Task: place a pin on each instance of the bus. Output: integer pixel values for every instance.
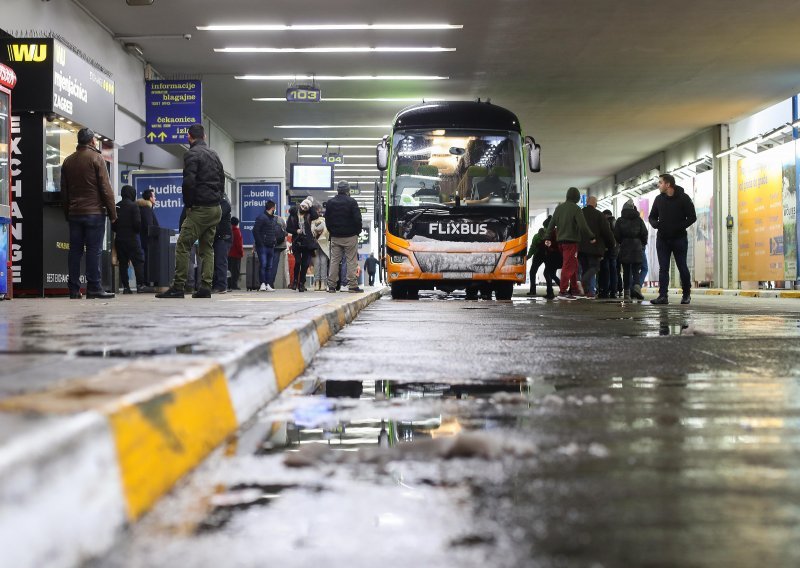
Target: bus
(452, 213)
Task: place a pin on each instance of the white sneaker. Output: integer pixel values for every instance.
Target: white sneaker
(263, 288)
(269, 288)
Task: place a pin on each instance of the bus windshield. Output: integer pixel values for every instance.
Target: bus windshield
(443, 168)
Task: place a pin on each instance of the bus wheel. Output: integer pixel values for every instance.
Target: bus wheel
(412, 293)
(399, 291)
(504, 290)
(472, 292)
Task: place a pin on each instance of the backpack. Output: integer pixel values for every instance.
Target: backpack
(280, 234)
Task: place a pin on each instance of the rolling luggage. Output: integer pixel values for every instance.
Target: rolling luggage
(253, 280)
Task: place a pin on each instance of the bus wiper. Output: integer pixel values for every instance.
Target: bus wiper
(417, 213)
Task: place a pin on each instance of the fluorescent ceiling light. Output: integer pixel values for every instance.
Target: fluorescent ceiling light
(322, 27)
(333, 49)
(337, 146)
(347, 156)
(329, 139)
(357, 177)
(352, 100)
(726, 152)
(333, 126)
(340, 77)
(347, 171)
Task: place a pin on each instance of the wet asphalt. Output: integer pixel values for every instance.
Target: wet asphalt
(442, 432)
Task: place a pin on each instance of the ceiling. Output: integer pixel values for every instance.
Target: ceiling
(600, 85)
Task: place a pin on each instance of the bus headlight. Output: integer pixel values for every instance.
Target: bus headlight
(516, 259)
(397, 258)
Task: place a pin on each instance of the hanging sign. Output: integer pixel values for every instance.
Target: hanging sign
(332, 158)
(303, 95)
(172, 107)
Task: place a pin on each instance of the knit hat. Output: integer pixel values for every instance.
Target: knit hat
(629, 204)
(343, 186)
(306, 204)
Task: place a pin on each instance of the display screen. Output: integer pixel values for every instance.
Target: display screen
(62, 139)
(307, 176)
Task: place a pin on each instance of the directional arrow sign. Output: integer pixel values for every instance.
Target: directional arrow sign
(162, 136)
(172, 107)
(151, 137)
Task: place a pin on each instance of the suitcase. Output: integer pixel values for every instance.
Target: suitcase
(253, 279)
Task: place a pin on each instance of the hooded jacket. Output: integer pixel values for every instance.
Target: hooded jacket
(569, 220)
(631, 232)
(599, 226)
(671, 216)
(149, 219)
(85, 188)
(343, 217)
(129, 219)
(203, 176)
(224, 226)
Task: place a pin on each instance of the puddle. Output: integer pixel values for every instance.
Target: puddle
(237, 498)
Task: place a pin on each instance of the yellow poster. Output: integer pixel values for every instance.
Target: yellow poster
(761, 217)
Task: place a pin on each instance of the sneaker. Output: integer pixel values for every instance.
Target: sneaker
(331, 290)
(99, 295)
(202, 293)
(301, 288)
(263, 288)
(569, 297)
(356, 290)
(636, 293)
(220, 290)
(686, 299)
(549, 296)
(269, 288)
(126, 291)
(171, 293)
(660, 301)
(145, 290)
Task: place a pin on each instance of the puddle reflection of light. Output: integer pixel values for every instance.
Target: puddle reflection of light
(390, 520)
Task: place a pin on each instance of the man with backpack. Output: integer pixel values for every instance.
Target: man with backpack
(265, 237)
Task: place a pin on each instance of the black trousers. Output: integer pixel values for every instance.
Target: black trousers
(129, 250)
(235, 268)
(302, 260)
(371, 278)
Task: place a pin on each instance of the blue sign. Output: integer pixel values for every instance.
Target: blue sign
(172, 107)
(253, 198)
(168, 186)
(583, 200)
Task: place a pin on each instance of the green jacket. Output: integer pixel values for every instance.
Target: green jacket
(568, 221)
(536, 242)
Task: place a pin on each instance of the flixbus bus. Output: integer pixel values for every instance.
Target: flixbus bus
(454, 208)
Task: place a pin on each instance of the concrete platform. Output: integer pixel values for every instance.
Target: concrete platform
(104, 405)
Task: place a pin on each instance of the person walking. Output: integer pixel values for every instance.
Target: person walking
(343, 219)
(126, 242)
(609, 269)
(280, 248)
(264, 238)
(631, 234)
(552, 263)
(147, 212)
(591, 251)
(235, 254)
(303, 242)
(672, 213)
(537, 252)
(569, 226)
(203, 186)
(371, 267)
(87, 199)
(222, 245)
(322, 257)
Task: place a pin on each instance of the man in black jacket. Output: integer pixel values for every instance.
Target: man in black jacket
(222, 245)
(343, 219)
(265, 236)
(371, 267)
(590, 252)
(672, 213)
(126, 241)
(203, 187)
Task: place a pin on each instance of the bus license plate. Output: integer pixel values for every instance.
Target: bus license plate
(457, 275)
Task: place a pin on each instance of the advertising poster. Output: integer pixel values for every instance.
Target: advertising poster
(645, 205)
(703, 269)
(761, 231)
(789, 197)
(253, 199)
(168, 187)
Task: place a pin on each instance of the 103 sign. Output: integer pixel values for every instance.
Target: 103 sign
(303, 95)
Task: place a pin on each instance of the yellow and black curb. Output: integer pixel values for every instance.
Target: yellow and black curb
(102, 450)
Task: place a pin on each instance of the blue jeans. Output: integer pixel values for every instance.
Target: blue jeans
(679, 248)
(273, 270)
(265, 256)
(85, 231)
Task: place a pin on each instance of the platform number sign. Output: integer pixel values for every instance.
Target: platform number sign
(303, 95)
(332, 158)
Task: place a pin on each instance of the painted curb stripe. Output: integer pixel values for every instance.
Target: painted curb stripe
(287, 359)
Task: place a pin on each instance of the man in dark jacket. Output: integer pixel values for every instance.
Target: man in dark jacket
(371, 267)
(590, 253)
(672, 213)
(568, 227)
(343, 219)
(147, 211)
(127, 228)
(609, 269)
(631, 233)
(87, 198)
(264, 238)
(222, 244)
(203, 186)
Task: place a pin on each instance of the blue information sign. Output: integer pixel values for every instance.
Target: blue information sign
(168, 185)
(172, 107)
(253, 198)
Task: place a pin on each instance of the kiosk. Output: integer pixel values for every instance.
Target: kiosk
(57, 94)
(7, 81)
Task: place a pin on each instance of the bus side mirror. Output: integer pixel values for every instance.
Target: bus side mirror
(534, 154)
(382, 155)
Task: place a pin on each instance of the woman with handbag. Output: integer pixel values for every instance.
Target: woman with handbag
(303, 242)
(322, 257)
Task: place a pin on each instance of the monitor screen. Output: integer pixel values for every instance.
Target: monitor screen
(311, 176)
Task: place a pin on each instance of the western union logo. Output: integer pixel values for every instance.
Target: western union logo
(27, 52)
